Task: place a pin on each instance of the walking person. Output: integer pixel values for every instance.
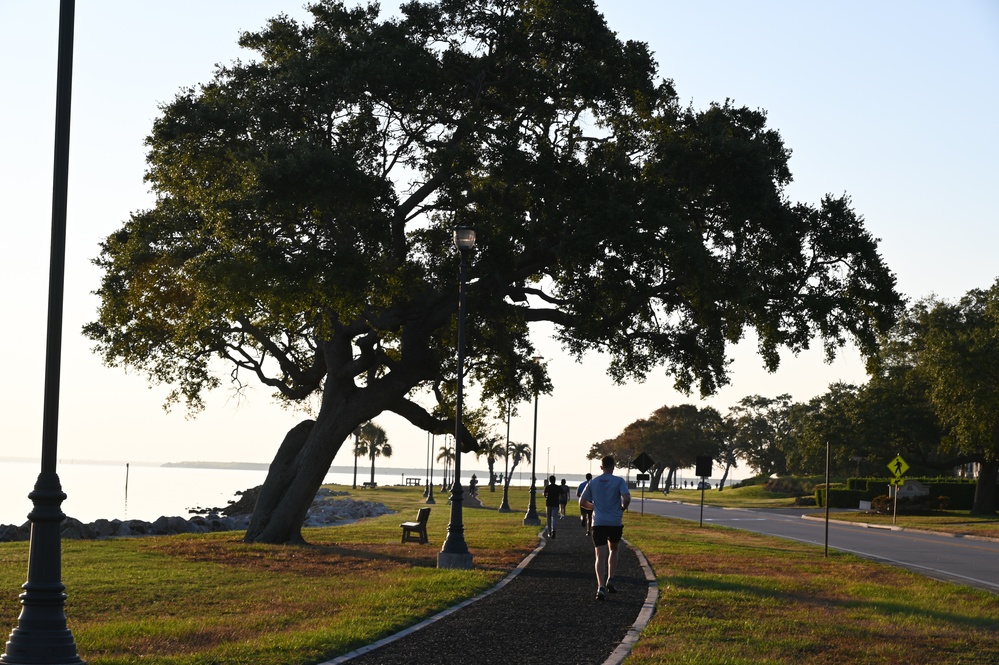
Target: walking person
(585, 514)
(563, 498)
(608, 497)
(552, 494)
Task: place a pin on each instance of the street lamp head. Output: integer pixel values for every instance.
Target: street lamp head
(464, 238)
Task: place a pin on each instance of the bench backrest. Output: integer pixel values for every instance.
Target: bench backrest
(423, 515)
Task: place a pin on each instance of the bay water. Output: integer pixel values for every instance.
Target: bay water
(145, 491)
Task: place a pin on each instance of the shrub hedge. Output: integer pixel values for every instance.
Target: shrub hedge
(958, 494)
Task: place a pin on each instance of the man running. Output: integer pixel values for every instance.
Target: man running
(608, 497)
(585, 516)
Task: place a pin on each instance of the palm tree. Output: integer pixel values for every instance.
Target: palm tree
(445, 454)
(373, 441)
(493, 450)
(518, 452)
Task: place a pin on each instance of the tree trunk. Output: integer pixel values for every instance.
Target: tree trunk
(272, 508)
(985, 491)
(304, 458)
(655, 478)
(721, 485)
(509, 476)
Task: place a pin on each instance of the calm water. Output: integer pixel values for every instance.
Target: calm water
(97, 491)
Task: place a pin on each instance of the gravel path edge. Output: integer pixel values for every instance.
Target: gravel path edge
(616, 657)
(440, 615)
(644, 616)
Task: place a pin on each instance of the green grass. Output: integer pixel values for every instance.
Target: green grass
(946, 521)
(755, 496)
(752, 496)
(734, 597)
(727, 596)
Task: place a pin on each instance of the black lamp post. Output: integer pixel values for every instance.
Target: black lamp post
(531, 518)
(454, 553)
(430, 470)
(42, 635)
(505, 505)
(427, 469)
(357, 446)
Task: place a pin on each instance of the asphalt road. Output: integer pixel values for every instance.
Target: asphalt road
(965, 560)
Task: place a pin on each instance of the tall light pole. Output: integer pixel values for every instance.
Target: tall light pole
(42, 635)
(426, 486)
(357, 445)
(505, 505)
(531, 518)
(454, 553)
(430, 484)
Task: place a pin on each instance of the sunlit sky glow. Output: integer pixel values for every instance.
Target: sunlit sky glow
(891, 102)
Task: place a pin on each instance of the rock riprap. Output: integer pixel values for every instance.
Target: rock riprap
(328, 508)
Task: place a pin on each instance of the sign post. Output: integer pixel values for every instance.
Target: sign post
(702, 468)
(898, 467)
(643, 463)
(643, 478)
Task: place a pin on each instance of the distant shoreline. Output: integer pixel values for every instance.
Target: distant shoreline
(362, 470)
(241, 466)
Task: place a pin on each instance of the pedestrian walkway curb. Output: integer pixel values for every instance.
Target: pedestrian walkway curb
(440, 615)
(644, 616)
(619, 653)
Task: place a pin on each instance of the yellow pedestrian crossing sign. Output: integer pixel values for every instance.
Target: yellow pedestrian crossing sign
(898, 467)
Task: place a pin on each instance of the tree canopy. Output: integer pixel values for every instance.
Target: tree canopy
(951, 351)
(305, 200)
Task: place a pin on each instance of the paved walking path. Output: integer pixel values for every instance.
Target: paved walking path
(544, 612)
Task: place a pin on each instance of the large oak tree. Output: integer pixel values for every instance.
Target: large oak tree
(952, 350)
(305, 199)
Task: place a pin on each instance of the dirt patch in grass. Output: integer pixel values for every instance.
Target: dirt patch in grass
(304, 560)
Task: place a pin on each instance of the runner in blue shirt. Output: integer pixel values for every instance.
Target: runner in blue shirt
(608, 497)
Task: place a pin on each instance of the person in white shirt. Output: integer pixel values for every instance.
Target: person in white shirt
(608, 497)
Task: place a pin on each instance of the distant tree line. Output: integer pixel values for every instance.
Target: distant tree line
(932, 397)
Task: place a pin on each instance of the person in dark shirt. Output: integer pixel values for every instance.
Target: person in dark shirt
(585, 514)
(552, 496)
(563, 498)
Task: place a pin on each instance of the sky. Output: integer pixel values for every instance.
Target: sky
(891, 102)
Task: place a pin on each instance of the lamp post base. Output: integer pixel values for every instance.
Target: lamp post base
(458, 560)
(532, 518)
(41, 636)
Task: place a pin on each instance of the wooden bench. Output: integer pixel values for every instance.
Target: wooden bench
(367, 484)
(413, 482)
(416, 531)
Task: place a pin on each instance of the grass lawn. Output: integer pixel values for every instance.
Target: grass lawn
(755, 496)
(726, 596)
(734, 597)
(752, 496)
